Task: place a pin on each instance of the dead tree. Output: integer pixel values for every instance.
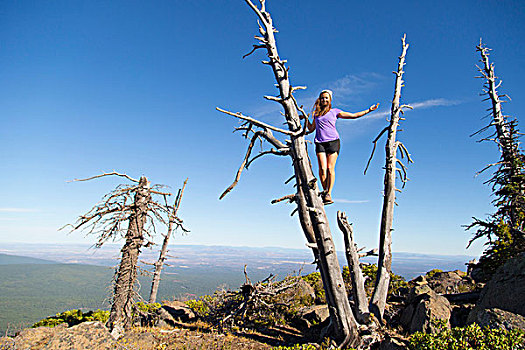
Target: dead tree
(309, 204)
(174, 220)
(392, 147)
(128, 211)
(393, 168)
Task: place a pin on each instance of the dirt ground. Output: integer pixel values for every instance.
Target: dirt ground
(203, 338)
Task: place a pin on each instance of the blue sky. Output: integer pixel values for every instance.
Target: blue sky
(92, 86)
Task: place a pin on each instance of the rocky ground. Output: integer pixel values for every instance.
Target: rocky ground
(93, 335)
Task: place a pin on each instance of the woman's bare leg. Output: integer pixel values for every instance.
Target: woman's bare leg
(331, 159)
(321, 161)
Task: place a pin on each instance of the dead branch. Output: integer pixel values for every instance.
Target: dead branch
(255, 47)
(290, 198)
(280, 152)
(488, 167)
(161, 193)
(404, 152)
(243, 164)
(273, 98)
(256, 122)
(372, 252)
(107, 174)
(252, 302)
(374, 149)
(289, 179)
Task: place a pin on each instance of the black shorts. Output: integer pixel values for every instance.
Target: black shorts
(328, 147)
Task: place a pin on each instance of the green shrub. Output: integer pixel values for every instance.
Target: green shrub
(314, 279)
(296, 347)
(200, 306)
(97, 315)
(147, 308)
(73, 317)
(472, 337)
(431, 273)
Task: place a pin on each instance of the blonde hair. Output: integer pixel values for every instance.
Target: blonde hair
(317, 110)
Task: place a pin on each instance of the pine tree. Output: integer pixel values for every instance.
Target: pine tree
(504, 230)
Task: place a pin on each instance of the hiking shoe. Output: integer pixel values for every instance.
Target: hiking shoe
(327, 199)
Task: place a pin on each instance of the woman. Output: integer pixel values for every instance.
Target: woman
(327, 142)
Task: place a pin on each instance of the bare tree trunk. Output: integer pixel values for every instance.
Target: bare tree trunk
(507, 144)
(345, 330)
(158, 267)
(356, 274)
(378, 301)
(164, 250)
(120, 317)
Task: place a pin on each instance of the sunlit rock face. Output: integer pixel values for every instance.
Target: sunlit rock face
(505, 291)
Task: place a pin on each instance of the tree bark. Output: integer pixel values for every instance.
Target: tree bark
(356, 274)
(158, 267)
(120, 317)
(345, 331)
(384, 268)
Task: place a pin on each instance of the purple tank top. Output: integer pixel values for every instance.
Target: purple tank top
(325, 126)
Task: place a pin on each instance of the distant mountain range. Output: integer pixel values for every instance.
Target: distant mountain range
(15, 259)
(275, 260)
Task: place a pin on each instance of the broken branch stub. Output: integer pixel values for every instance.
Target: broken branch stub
(356, 274)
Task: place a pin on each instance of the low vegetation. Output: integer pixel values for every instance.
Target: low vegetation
(73, 317)
(471, 337)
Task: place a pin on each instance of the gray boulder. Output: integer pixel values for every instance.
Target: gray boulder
(310, 316)
(451, 282)
(423, 309)
(496, 318)
(505, 291)
(393, 343)
(176, 311)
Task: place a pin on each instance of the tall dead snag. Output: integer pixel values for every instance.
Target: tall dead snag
(393, 167)
(505, 229)
(173, 221)
(309, 204)
(129, 211)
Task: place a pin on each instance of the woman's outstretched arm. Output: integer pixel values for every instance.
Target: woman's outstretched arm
(348, 115)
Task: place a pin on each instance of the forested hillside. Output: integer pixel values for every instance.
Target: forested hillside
(32, 291)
